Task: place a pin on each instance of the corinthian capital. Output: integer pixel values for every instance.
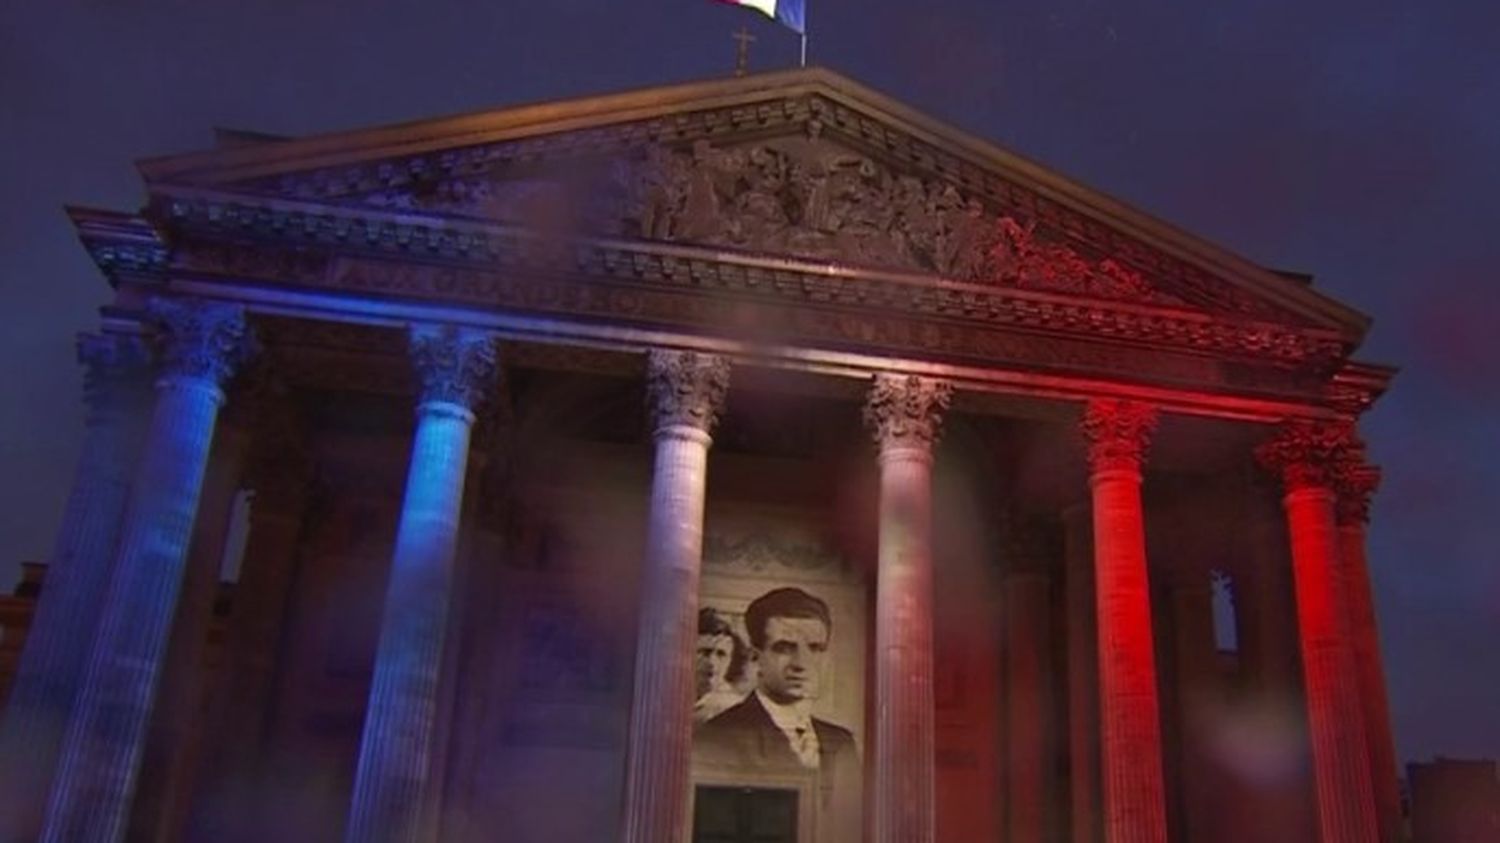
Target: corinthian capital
(1356, 482)
(685, 388)
(906, 411)
(1310, 454)
(205, 341)
(1118, 433)
(453, 365)
(109, 361)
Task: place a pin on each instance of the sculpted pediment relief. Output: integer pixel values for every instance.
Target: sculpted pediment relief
(803, 196)
(802, 164)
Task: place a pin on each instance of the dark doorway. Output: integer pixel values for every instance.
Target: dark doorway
(744, 815)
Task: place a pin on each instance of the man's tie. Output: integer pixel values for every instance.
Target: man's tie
(805, 744)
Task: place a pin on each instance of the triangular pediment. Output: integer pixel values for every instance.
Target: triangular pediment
(803, 164)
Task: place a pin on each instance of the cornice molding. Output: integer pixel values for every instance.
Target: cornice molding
(123, 246)
(422, 152)
(282, 231)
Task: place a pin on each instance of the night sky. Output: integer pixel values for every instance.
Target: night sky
(1358, 140)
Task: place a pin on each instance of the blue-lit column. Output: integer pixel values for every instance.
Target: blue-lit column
(201, 346)
(686, 391)
(904, 413)
(455, 369)
(117, 390)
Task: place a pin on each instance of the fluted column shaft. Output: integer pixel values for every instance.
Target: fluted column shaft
(1025, 607)
(1306, 455)
(279, 474)
(686, 392)
(1355, 487)
(1083, 676)
(1134, 793)
(391, 797)
(904, 413)
(102, 749)
(1266, 604)
(116, 387)
(175, 737)
(1194, 652)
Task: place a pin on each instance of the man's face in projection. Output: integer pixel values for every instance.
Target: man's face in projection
(791, 660)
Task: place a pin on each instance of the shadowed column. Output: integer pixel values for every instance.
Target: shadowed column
(1025, 603)
(1130, 723)
(279, 474)
(904, 413)
(1306, 455)
(686, 393)
(1356, 483)
(202, 345)
(1197, 696)
(455, 369)
(116, 388)
(1083, 676)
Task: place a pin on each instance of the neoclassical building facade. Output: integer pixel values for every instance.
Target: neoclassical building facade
(754, 459)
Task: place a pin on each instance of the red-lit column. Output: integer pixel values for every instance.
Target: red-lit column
(904, 412)
(1356, 483)
(1083, 675)
(687, 392)
(1134, 794)
(1306, 455)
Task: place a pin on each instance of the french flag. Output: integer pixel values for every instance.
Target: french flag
(790, 13)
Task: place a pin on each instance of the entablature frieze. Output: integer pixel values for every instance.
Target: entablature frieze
(750, 301)
(432, 259)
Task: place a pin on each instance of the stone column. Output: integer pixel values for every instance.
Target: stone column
(278, 474)
(116, 389)
(391, 801)
(1356, 483)
(686, 392)
(1083, 676)
(1306, 455)
(904, 412)
(169, 761)
(1024, 607)
(1265, 601)
(1134, 795)
(1195, 654)
(202, 345)
(1278, 790)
